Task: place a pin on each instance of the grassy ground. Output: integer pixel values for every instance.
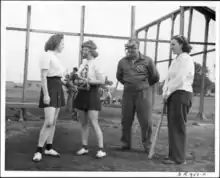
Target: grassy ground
(21, 141)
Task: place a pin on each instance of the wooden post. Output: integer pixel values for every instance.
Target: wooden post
(114, 92)
(181, 20)
(201, 114)
(81, 32)
(190, 24)
(23, 111)
(156, 54)
(133, 22)
(171, 35)
(145, 42)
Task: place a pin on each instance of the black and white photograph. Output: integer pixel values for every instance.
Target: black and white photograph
(91, 88)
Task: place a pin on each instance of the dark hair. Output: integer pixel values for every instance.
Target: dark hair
(182, 40)
(75, 69)
(53, 42)
(92, 46)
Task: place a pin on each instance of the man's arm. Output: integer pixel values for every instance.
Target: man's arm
(119, 73)
(154, 75)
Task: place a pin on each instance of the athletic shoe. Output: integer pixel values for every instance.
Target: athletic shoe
(51, 152)
(82, 151)
(37, 157)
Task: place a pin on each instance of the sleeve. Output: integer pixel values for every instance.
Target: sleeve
(99, 72)
(154, 75)
(119, 73)
(185, 69)
(45, 61)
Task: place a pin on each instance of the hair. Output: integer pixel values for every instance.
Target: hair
(132, 43)
(75, 69)
(53, 42)
(92, 46)
(185, 44)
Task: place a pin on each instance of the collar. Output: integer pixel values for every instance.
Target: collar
(141, 57)
(181, 55)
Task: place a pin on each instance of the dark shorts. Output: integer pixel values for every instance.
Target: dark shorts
(56, 93)
(88, 100)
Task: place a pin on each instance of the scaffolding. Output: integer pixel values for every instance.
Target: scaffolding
(207, 12)
(208, 15)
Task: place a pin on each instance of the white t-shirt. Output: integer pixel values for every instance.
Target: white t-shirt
(94, 71)
(180, 74)
(52, 63)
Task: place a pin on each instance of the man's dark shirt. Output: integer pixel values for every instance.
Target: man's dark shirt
(142, 73)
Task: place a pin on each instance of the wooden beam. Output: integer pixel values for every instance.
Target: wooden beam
(159, 20)
(155, 61)
(21, 105)
(156, 45)
(26, 52)
(194, 54)
(145, 43)
(190, 24)
(81, 33)
(133, 22)
(202, 93)
(182, 20)
(171, 35)
(96, 35)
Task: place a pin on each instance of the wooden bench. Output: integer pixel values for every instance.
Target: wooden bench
(21, 106)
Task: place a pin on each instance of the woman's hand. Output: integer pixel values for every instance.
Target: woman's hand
(46, 99)
(165, 97)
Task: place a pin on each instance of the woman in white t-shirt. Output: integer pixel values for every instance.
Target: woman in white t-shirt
(88, 100)
(52, 95)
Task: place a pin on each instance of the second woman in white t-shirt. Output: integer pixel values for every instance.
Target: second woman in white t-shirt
(88, 100)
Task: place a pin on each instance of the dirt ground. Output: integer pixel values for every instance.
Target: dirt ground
(21, 141)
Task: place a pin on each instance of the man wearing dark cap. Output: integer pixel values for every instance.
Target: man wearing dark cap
(138, 74)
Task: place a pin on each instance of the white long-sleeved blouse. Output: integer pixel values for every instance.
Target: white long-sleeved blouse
(180, 75)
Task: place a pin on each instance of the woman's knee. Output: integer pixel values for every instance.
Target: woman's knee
(93, 117)
(50, 114)
(83, 118)
(49, 124)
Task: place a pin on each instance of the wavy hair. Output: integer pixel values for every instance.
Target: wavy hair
(185, 44)
(92, 46)
(53, 42)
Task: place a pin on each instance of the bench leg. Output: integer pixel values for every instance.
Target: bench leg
(21, 115)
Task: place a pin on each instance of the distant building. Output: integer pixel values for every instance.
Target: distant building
(33, 85)
(10, 84)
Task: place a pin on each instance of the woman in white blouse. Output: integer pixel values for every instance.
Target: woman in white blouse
(52, 96)
(88, 100)
(177, 94)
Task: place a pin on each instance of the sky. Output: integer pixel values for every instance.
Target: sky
(107, 18)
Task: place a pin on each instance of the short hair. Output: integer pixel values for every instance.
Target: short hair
(75, 69)
(132, 43)
(92, 46)
(53, 42)
(182, 40)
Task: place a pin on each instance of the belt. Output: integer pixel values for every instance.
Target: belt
(133, 87)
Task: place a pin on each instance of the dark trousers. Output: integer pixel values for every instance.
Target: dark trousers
(141, 103)
(178, 106)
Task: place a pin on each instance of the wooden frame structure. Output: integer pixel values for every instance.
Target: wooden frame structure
(208, 13)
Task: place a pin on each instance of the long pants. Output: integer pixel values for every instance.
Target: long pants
(141, 103)
(178, 106)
